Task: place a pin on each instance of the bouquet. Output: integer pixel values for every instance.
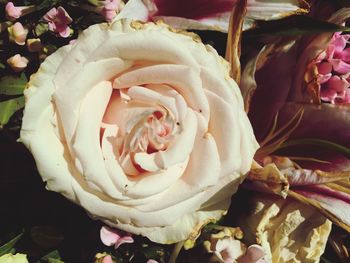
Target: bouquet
(175, 131)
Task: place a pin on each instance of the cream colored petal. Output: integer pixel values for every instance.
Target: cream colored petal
(189, 85)
(90, 75)
(88, 133)
(287, 230)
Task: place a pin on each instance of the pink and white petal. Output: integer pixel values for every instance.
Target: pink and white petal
(181, 146)
(88, 132)
(340, 66)
(123, 240)
(337, 84)
(334, 204)
(267, 10)
(109, 236)
(345, 55)
(323, 78)
(189, 86)
(324, 68)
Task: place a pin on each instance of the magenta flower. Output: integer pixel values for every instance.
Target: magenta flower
(115, 237)
(110, 8)
(333, 67)
(14, 12)
(58, 20)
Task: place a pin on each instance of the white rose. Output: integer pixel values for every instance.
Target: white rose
(141, 126)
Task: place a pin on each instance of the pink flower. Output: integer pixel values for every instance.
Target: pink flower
(333, 67)
(17, 62)
(14, 12)
(254, 254)
(115, 237)
(17, 33)
(58, 20)
(152, 261)
(110, 8)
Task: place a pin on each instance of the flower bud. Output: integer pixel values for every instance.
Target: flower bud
(17, 62)
(17, 33)
(34, 45)
(14, 12)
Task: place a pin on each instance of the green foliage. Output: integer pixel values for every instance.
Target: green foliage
(40, 29)
(294, 26)
(52, 257)
(321, 143)
(9, 246)
(13, 85)
(8, 108)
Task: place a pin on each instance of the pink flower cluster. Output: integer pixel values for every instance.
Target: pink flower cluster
(58, 20)
(333, 66)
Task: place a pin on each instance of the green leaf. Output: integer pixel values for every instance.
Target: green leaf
(9, 246)
(13, 85)
(2, 66)
(41, 28)
(294, 26)
(46, 236)
(52, 257)
(321, 143)
(47, 4)
(8, 108)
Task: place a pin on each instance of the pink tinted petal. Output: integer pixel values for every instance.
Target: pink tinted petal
(254, 254)
(346, 98)
(107, 259)
(330, 52)
(52, 26)
(328, 95)
(50, 15)
(63, 16)
(324, 68)
(63, 31)
(325, 191)
(152, 261)
(12, 12)
(338, 84)
(345, 55)
(339, 43)
(323, 78)
(194, 9)
(111, 4)
(109, 15)
(108, 236)
(340, 66)
(125, 239)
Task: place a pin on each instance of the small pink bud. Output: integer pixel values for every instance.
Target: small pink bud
(17, 33)
(58, 20)
(14, 12)
(115, 237)
(110, 9)
(34, 45)
(17, 62)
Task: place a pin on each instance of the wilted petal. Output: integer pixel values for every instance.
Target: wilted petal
(316, 121)
(207, 14)
(274, 222)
